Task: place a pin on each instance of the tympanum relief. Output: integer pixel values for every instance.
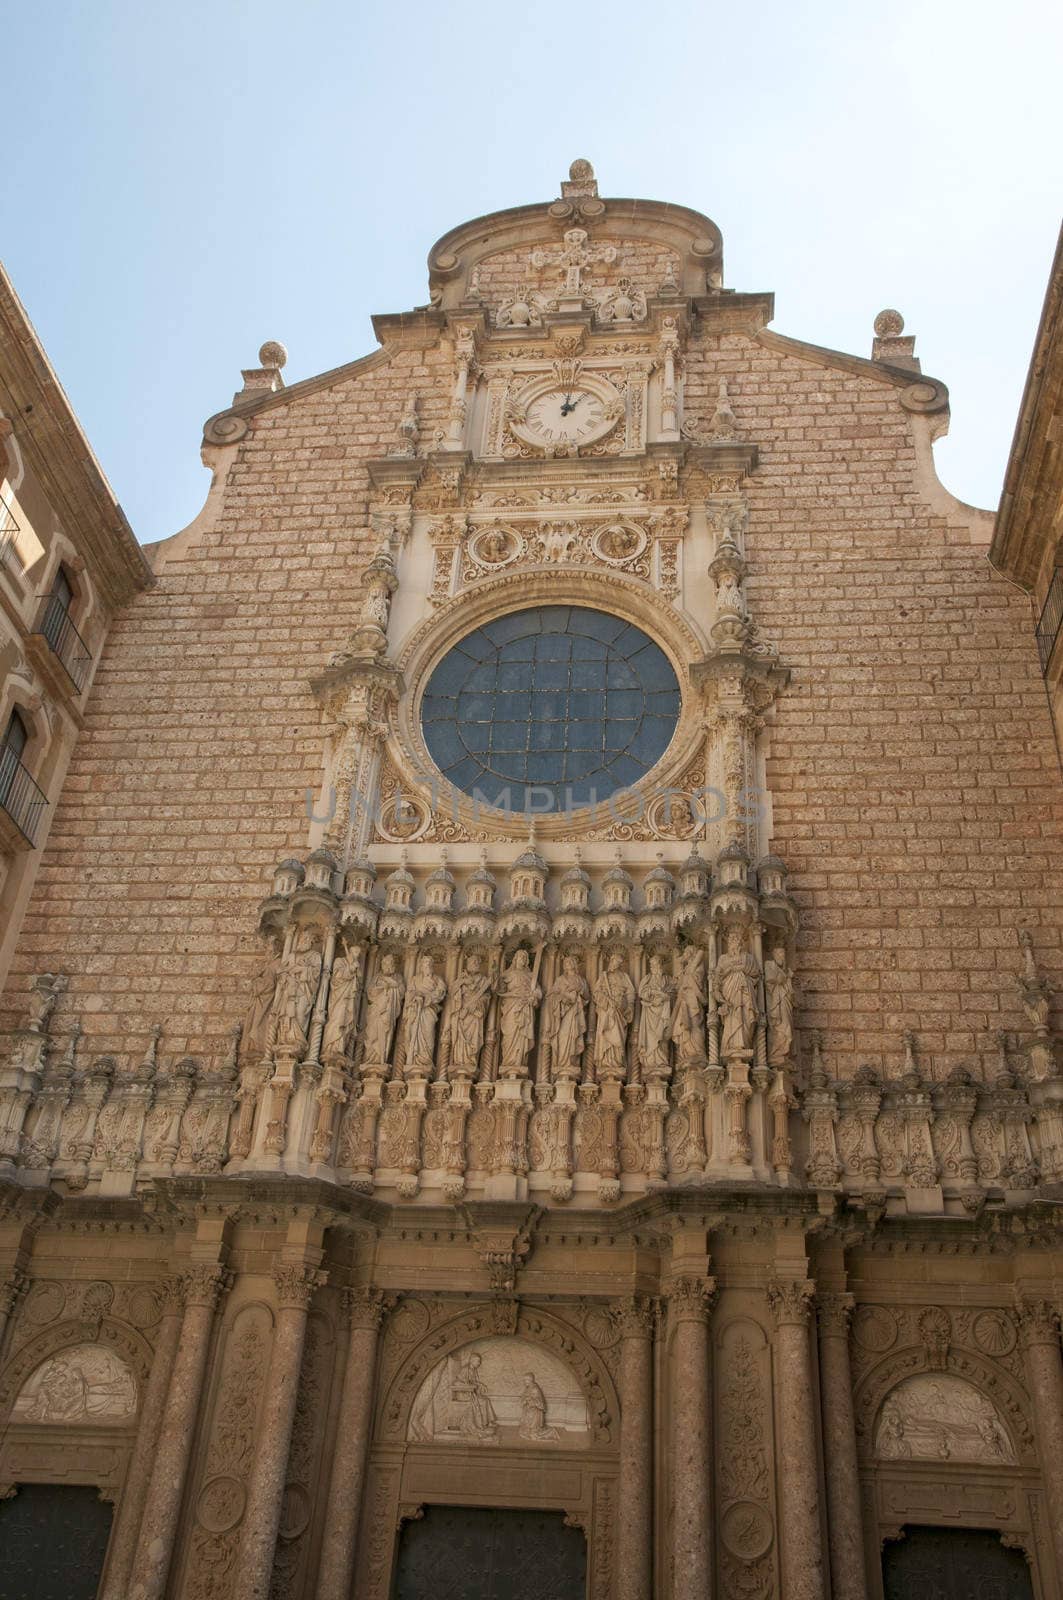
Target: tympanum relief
(85, 1384)
(501, 1391)
(941, 1418)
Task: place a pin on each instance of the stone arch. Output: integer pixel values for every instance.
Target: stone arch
(985, 1377)
(533, 1324)
(127, 1343)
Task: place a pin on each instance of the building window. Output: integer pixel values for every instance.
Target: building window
(20, 798)
(63, 638)
(550, 709)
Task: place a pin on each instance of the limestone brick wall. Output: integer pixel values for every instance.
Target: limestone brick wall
(913, 773)
(646, 263)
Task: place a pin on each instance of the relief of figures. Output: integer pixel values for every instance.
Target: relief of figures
(87, 1383)
(941, 1418)
(500, 1390)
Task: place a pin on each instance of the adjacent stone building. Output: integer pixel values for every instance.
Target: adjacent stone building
(531, 1064)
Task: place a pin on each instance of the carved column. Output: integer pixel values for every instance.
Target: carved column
(366, 1308)
(265, 1491)
(690, 1301)
(847, 1567)
(12, 1287)
(798, 1475)
(635, 1515)
(134, 1491)
(202, 1287)
(1039, 1334)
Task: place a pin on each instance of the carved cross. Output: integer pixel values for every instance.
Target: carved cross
(573, 256)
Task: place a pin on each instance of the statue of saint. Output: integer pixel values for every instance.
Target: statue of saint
(655, 1017)
(779, 991)
(263, 990)
(614, 1000)
(519, 994)
(565, 1020)
(344, 990)
(688, 1017)
(425, 994)
(468, 1007)
(385, 1003)
(296, 992)
(735, 984)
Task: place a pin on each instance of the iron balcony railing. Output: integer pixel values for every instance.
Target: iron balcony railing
(66, 642)
(1051, 619)
(20, 797)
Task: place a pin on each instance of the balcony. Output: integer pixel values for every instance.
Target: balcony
(64, 641)
(22, 803)
(1051, 620)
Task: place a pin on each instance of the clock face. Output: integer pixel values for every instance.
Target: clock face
(562, 416)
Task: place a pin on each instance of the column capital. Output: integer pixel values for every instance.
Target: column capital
(636, 1316)
(296, 1282)
(172, 1295)
(690, 1299)
(834, 1312)
(366, 1307)
(791, 1301)
(204, 1285)
(1038, 1320)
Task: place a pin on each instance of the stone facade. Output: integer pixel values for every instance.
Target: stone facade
(684, 1163)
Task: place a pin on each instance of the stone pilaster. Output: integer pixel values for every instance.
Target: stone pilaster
(123, 1543)
(797, 1453)
(12, 1287)
(634, 1535)
(295, 1283)
(1039, 1335)
(690, 1302)
(844, 1520)
(366, 1309)
(203, 1286)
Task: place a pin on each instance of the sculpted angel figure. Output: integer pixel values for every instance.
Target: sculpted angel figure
(735, 983)
(688, 1017)
(779, 992)
(565, 1019)
(469, 999)
(519, 994)
(296, 992)
(420, 1018)
(655, 995)
(614, 999)
(344, 989)
(263, 990)
(386, 994)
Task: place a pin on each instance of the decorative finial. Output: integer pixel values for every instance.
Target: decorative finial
(581, 184)
(273, 354)
(888, 324)
(580, 171)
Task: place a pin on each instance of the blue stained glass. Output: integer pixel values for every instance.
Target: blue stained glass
(574, 701)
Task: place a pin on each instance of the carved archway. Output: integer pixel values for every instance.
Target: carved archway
(126, 1342)
(993, 1382)
(533, 1324)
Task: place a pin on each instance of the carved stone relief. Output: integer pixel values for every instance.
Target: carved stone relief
(87, 1383)
(501, 1391)
(941, 1418)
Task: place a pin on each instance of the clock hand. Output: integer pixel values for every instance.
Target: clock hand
(568, 404)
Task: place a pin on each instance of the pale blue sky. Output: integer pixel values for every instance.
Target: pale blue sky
(182, 181)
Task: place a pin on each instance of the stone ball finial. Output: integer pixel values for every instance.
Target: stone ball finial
(579, 171)
(888, 324)
(272, 354)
